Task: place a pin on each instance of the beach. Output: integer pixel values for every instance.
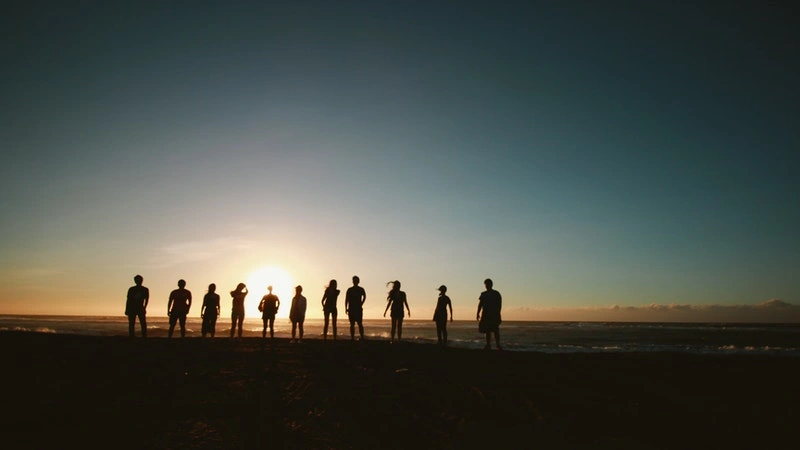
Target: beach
(118, 392)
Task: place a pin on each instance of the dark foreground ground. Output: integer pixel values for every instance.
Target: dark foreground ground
(81, 391)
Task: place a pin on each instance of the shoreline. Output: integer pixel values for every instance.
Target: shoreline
(196, 393)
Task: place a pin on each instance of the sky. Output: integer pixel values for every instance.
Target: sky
(597, 160)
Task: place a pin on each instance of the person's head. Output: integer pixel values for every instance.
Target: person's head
(269, 288)
(488, 283)
(395, 285)
(138, 280)
(442, 289)
(332, 284)
(298, 289)
(356, 280)
(240, 287)
(181, 283)
(212, 287)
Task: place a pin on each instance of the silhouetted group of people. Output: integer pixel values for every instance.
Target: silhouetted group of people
(180, 302)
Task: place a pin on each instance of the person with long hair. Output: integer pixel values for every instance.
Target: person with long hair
(329, 308)
(237, 309)
(210, 311)
(440, 315)
(396, 300)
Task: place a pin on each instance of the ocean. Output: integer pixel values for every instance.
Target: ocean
(545, 337)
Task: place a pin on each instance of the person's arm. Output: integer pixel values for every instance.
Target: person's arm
(189, 303)
(388, 304)
(480, 307)
(324, 294)
(169, 304)
(363, 297)
(204, 306)
(405, 302)
(146, 297)
(450, 305)
(277, 303)
(347, 302)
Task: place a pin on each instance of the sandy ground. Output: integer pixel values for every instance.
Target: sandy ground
(218, 393)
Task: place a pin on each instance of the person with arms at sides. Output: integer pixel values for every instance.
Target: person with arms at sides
(136, 306)
(269, 307)
(297, 313)
(354, 299)
(489, 305)
(329, 308)
(396, 300)
(440, 315)
(180, 301)
(210, 311)
(237, 309)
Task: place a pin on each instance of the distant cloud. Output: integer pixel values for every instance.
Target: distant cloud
(772, 311)
(194, 251)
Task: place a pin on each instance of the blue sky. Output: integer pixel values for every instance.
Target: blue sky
(582, 154)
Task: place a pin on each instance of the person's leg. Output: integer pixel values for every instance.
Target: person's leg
(213, 328)
(183, 325)
(497, 338)
(241, 324)
(325, 326)
(143, 323)
(172, 321)
(444, 333)
(361, 329)
(334, 314)
(300, 324)
(131, 324)
(294, 331)
(352, 330)
(400, 329)
(272, 327)
(264, 330)
(394, 328)
(488, 340)
(233, 325)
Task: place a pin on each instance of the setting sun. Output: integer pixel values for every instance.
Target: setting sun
(282, 286)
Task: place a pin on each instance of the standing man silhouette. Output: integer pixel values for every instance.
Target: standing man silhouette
(180, 301)
(136, 306)
(297, 312)
(354, 300)
(269, 307)
(440, 315)
(237, 308)
(490, 303)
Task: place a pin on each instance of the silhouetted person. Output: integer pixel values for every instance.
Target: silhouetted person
(180, 301)
(490, 302)
(297, 312)
(136, 306)
(237, 309)
(396, 300)
(269, 307)
(354, 300)
(210, 311)
(440, 314)
(329, 308)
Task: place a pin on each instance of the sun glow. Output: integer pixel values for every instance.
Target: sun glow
(282, 286)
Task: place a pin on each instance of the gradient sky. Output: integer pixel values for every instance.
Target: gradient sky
(592, 158)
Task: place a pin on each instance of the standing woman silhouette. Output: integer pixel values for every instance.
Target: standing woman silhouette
(396, 300)
(329, 308)
(237, 310)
